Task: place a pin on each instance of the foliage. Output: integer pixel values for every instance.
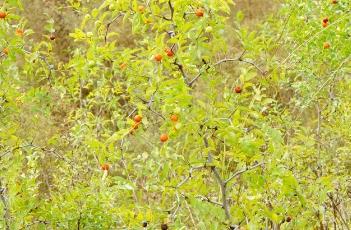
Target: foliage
(255, 119)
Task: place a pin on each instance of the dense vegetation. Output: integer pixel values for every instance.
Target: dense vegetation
(175, 114)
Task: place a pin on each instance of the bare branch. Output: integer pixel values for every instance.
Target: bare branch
(204, 198)
(110, 23)
(238, 59)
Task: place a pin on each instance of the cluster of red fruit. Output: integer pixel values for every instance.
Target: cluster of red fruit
(169, 52)
(137, 121)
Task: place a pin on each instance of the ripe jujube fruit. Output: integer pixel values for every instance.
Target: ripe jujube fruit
(174, 117)
(238, 89)
(158, 57)
(3, 15)
(288, 219)
(164, 226)
(138, 118)
(325, 20)
(105, 167)
(169, 52)
(326, 45)
(164, 137)
(199, 12)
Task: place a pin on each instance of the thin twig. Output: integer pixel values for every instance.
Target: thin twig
(4, 199)
(190, 175)
(204, 198)
(238, 173)
(110, 23)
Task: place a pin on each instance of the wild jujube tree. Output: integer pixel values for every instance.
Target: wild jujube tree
(174, 115)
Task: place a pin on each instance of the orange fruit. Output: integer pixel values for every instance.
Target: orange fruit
(138, 118)
(326, 45)
(199, 12)
(238, 89)
(158, 57)
(3, 15)
(174, 118)
(105, 167)
(169, 52)
(164, 137)
(324, 24)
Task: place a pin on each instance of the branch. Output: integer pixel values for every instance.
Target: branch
(222, 184)
(110, 23)
(181, 70)
(190, 175)
(171, 8)
(204, 198)
(4, 199)
(238, 173)
(238, 59)
(223, 188)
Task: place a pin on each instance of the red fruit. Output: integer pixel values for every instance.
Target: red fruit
(237, 89)
(199, 12)
(326, 45)
(334, 1)
(105, 167)
(326, 20)
(3, 15)
(324, 24)
(288, 219)
(164, 137)
(158, 57)
(169, 52)
(5, 50)
(174, 118)
(138, 118)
